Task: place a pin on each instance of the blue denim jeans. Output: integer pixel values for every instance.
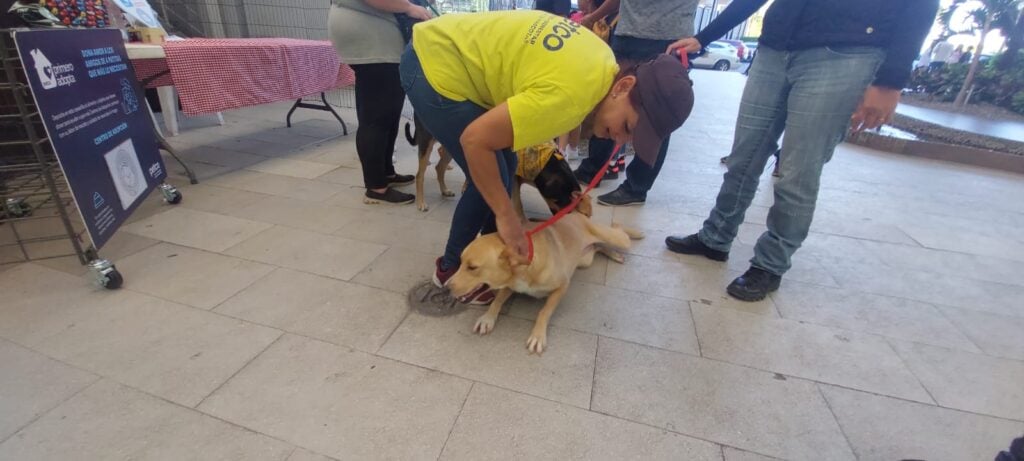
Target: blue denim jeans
(639, 175)
(446, 120)
(810, 95)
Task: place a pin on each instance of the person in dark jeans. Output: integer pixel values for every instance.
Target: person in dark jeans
(823, 68)
(556, 7)
(645, 29)
(367, 37)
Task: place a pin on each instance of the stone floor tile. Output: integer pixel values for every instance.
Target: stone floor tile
(564, 373)
(301, 214)
(216, 199)
(32, 384)
(683, 281)
(305, 455)
(338, 312)
(886, 429)
(499, 424)
(943, 238)
(812, 352)
(714, 401)
(218, 156)
(273, 184)
(188, 276)
(344, 176)
(292, 167)
(636, 317)
(398, 270)
(342, 403)
(197, 229)
(121, 245)
(996, 335)
(398, 232)
(732, 454)
(882, 315)
(965, 381)
(111, 421)
(320, 254)
(176, 352)
(940, 289)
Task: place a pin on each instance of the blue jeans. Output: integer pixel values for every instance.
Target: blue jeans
(639, 175)
(810, 95)
(446, 120)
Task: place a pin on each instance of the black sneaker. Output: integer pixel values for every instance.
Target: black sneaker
(754, 285)
(390, 196)
(610, 175)
(621, 197)
(400, 180)
(691, 245)
(585, 177)
(724, 160)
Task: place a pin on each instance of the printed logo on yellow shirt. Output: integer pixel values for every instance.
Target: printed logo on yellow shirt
(562, 30)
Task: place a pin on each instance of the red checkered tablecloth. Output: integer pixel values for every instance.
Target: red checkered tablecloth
(214, 75)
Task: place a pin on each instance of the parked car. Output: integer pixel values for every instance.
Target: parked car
(741, 49)
(719, 56)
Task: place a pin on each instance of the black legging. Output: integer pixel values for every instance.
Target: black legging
(379, 101)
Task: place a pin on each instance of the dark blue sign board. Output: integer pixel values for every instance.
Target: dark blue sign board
(91, 105)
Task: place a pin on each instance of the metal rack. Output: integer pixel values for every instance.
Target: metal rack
(38, 215)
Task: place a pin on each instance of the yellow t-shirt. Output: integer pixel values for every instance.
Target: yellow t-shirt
(551, 71)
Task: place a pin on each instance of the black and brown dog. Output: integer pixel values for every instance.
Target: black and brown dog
(541, 166)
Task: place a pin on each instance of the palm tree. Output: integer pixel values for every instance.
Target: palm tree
(988, 14)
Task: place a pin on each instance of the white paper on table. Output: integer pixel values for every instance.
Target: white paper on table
(139, 11)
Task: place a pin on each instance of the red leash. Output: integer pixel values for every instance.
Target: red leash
(572, 206)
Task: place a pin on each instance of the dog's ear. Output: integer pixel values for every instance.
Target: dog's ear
(512, 258)
(585, 206)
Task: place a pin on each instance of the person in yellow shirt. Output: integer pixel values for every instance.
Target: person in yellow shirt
(485, 84)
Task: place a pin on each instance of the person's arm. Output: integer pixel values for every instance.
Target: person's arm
(608, 7)
(400, 6)
(486, 135)
(880, 99)
(912, 27)
(737, 12)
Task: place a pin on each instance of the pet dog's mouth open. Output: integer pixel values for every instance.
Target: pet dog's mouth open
(472, 290)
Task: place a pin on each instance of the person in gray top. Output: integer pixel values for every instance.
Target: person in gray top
(645, 29)
(366, 35)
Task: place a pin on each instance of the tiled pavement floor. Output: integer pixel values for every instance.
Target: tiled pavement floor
(265, 318)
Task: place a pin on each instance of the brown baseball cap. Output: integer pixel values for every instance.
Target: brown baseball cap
(666, 99)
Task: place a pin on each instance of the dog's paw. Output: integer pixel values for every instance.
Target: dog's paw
(484, 325)
(616, 256)
(447, 193)
(422, 206)
(536, 343)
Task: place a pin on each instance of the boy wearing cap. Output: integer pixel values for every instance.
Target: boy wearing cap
(823, 67)
(645, 28)
(485, 84)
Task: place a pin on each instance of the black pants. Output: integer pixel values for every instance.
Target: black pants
(379, 101)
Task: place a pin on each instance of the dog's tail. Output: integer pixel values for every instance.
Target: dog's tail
(409, 136)
(612, 237)
(634, 234)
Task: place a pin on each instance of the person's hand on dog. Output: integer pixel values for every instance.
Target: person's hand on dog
(876, 108)
(510, 229)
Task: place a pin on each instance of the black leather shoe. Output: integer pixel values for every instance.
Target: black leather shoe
(585, 177)
(691, 245)
(400, 180)
(754, 285)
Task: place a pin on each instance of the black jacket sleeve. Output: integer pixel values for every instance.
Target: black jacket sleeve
(905, 43)
(737, 12)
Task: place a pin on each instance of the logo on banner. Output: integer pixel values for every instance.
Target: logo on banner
(129, 102)
(97, 200)
(50, 75)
